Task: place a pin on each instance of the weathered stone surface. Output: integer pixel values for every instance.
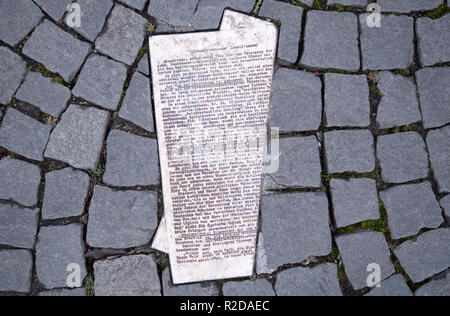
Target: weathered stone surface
(355, 3)
(121, 219)
(12, 68)
(299, 164)
(101, 82)
(331, 41)
(93, 17)
(399, 105)
(354, 201)
(18, 18)
(390, 46)
(394, 286)
(127, 276)
(50, 97)
(403, 157)
(295, 227)
(131, 160)
(208, 14)
(296, 101)
(434, 95)
(57, 247)
(319, 281)
(411, 208)
(433, 38)
(439, 286)
(24, 135)
(127, 28)
(347, 100)
(65, 193)
(15, 274)
(54, 8)
(361, 249)
(173, 12)
(64, 292)
(290, 17)
(195, 289)
(143, 65)
(445, 203)
(57, 50)
(262, 266)
(18, 226)
(406, 6)
(259, 287)
(350, 151)
(78, 138)
(137, 104)
(137, 4)
(19, 181)
(426, 256)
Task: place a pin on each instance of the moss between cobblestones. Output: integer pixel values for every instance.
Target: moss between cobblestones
(299, 4)
(88, 285)
(338, 71)
(142, 52)
(319, 5)
(339, 8)
(379, 225)
(438, 12)
(403, 72)
(396, 130)
(375, 91)
(99, 171)
(258, 6)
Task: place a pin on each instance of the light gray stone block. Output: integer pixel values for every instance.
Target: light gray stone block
(259, 287)
(13, 69)
(64, 293)
(262, 266)
(439, 286)
(54, 8)
(18, 226)
(173, 12)
(406, 6)
(394, 286)
(439, 149)
(433, 38)
(137, 4)
(121, 219)
(24, 135)
(15, 274)
(93, 17)
(143, 65)
(127, 276)
(195, 289)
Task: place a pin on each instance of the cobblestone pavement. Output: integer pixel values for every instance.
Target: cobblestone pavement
(364, 176)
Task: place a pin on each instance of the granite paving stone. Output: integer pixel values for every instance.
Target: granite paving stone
(445, 203)
(57, 247)
(15, 274)
(137, 104)
(290, 18)
(426, 256)
(54, 8)
(296, 102)
(411, 208)
(12, 68)
(299, 164)
(433, 38)
(406, 6)
(195, 289)
(65, 193)
(354, 201)
(439, 286)
(126, 27)
(295, 227)
(24, 135)
(57, 50)
(18, 226)
(127, 276)
(131, 160)
(143, 65)
(361, 249)
(439, 148)
(137, 4)
(101, 82)
(434, 95)
(350, 151)
(259, 287)
(209, 12)
(262, 266)
(15, 27)
(78, 137)
(347, 100)
(403, 157)
(390, 46)
(173, 12)
(394, 286)
(64, 293)
(121, 219)
(93, 17)
(319, 281)
(19, 182)
(353, 3)
(399, 104)
(331, 41)
(42, 92)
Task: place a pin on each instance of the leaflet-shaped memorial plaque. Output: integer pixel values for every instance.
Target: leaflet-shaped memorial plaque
(211, 95)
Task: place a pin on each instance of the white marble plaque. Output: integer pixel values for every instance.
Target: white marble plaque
(212, 95)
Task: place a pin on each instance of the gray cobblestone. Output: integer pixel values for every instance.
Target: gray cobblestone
(137, 4)
(195, 289)
(64, 293)
(439, 148)
(54, 8)
(445, 203)
(173, 12)
(18, 226)
(354, 3)
(394, 286)
(121, 219)
(15, 274)
(24, 135)
(433, 38)
(426, 256)
(93, 17)
(259, 287)
(143, 65)
(12, 68)
(402, 157)
(439, 286)
(411, 208)
(406, 6)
